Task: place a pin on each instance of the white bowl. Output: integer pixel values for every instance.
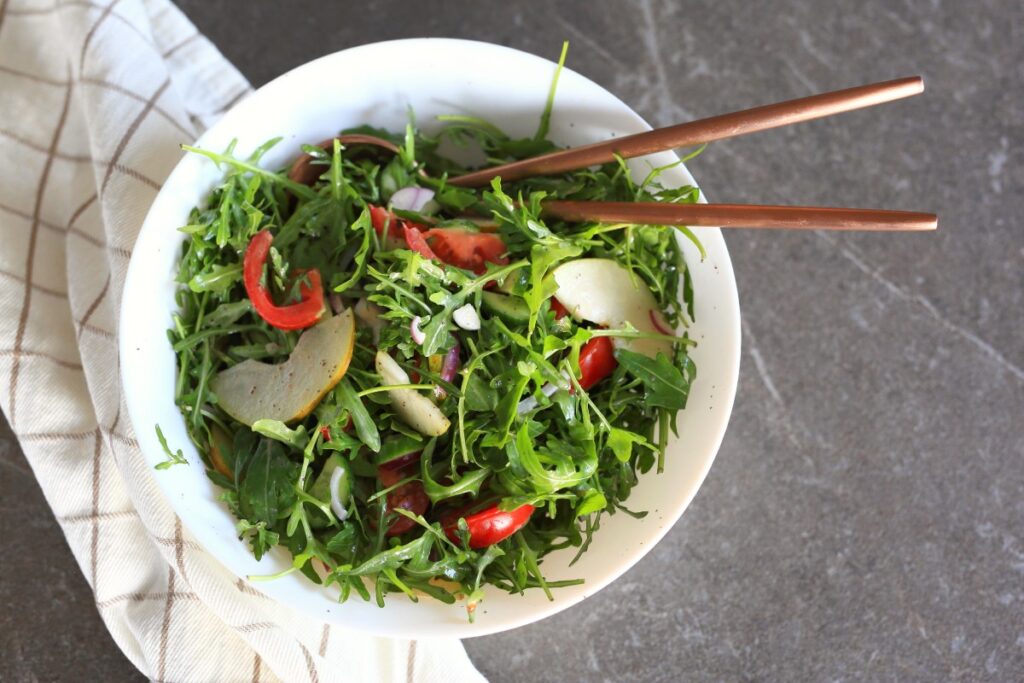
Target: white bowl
(377, 84)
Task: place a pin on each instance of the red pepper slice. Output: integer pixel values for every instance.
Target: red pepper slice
(293, 317)
(467, 250)
(597, 361)
(489, 526)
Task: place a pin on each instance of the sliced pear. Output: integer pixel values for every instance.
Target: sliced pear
(289, 391)
(602, 291)
(415, 409)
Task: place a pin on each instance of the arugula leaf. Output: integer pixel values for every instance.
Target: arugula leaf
(217, 279)
(593, 501)
(621, 442)
(261, 538)
(366, 428)
(468, 482)
(345, 543)
(664, 384)
(268, 489)
(173, 457)
(480, 397)
(275, 429)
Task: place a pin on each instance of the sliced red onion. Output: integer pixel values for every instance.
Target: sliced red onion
(449, 367)
(411, 198)
(337, 507)
(659, 322)
(337, 305)
(451, 363)
(466, 317)
(416, 332)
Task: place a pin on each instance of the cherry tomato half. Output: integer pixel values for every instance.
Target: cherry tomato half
(409, 496)
(597, 361)
(558, 309)
(489, 526)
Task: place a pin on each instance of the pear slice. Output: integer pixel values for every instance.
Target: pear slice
(415, 409)
(602, 291)
(289, 391)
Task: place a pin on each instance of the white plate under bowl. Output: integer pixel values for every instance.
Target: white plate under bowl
(377, 84)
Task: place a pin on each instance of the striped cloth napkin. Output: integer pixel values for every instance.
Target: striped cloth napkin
(95, 96)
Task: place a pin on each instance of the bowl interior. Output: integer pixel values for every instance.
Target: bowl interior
(377, 84)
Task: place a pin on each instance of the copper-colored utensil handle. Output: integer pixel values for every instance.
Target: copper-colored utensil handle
(697, 132)
(741, 216)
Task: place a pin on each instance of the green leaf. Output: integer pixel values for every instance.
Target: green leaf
(390, 559)
(564, 473)
(480, 397)
(216, 279)
(268, 490)
(456, 198)
(542, 258)
(362, 223)
(366, 428)
(621, 442)
(173, 457)
(261, 538)
(664, 384)
(275, 429)
(227, 313)
(467, 483)
(505, 414)
(436, 333)
(345, 543)
(593, 501)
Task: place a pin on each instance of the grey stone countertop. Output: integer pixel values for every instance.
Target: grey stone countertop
(864, 519)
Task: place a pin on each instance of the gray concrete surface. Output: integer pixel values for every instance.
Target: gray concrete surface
(865, 517)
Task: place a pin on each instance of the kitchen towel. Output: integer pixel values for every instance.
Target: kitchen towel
(95, 97)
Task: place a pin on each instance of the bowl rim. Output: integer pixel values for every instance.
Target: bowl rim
(726, 394)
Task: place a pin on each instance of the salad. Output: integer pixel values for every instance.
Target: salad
(422, 388)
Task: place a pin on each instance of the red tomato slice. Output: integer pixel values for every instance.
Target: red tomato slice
(489, 526)
(467, 250)
(414, 239)
(293, 317)
(597, 361)
(381, 217)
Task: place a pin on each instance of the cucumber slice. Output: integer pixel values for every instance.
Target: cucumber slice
(397, 447)
(321, 489)
(517, 279)
(511, 308)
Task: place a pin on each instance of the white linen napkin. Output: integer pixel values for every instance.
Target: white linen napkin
(95, 97)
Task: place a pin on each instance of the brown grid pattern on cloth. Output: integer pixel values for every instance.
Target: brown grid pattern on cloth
(152, 583)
